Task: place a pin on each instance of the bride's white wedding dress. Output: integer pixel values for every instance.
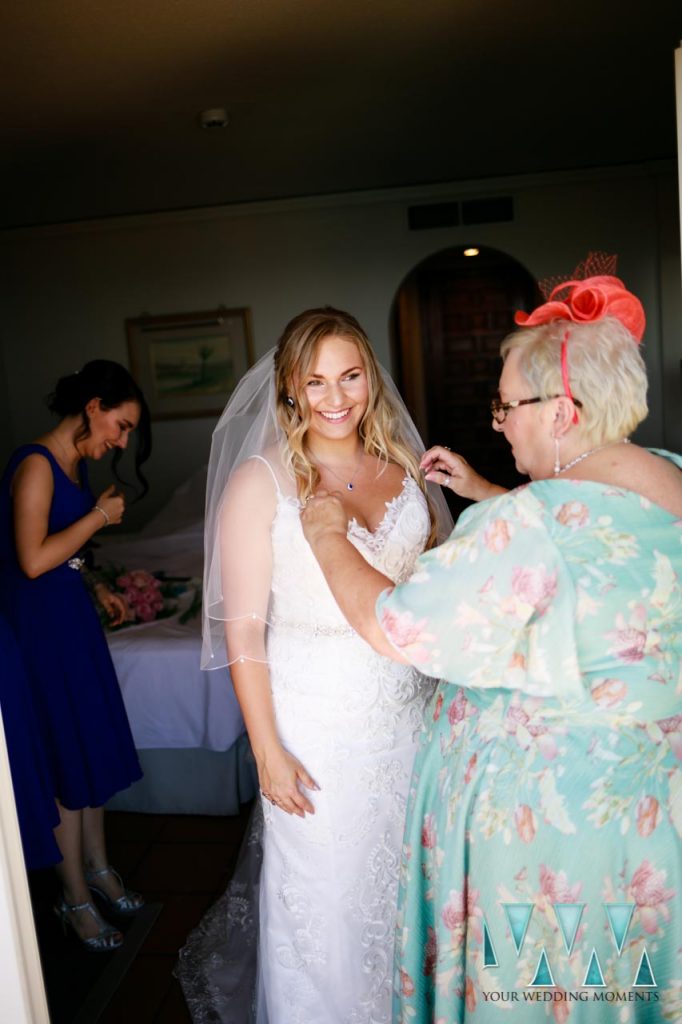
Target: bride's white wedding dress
(329, 881)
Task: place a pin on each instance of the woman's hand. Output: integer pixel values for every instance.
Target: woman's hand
(280, 776)
(441, 466)
(115, 605)
(113, 503)
(323, 514)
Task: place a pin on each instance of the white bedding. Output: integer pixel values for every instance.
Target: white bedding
(170, 702)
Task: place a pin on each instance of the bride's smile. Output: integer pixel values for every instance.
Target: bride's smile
(336, 390)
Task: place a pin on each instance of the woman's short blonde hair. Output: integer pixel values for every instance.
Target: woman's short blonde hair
(380, 428)
(605, 370)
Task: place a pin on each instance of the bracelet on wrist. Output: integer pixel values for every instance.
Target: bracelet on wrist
(99, 508)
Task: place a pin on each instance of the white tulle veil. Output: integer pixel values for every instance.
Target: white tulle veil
(249, 427)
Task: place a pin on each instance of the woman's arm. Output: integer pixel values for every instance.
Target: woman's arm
(246, 565)
(352, 580)
(32, 491)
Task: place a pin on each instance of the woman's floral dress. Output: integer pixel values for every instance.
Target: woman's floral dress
(542, 866)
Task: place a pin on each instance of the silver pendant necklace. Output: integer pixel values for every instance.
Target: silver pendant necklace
(591, 451)
(348, 484)
(72, 472)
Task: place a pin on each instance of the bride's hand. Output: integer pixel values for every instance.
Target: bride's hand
(322, 514)
(280, 776)
(441, 466)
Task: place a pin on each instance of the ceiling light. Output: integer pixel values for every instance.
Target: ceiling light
(214, 118)
(471, 252)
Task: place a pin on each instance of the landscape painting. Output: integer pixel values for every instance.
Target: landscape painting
(189, 364)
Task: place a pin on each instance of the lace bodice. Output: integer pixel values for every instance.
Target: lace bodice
(300, 594)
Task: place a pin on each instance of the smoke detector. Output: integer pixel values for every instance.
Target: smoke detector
(214, 118)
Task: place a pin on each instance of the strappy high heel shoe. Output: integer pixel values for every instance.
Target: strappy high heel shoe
(107, 939)
(128, 902)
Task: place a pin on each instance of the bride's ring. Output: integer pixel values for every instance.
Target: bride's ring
(446, 482)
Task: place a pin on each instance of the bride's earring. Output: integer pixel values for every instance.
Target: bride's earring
(557, 462)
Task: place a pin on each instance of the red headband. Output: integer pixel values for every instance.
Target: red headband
(587, 301)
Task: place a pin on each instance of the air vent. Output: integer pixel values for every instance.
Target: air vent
(433, 215)
(487, 211)
(473, 211)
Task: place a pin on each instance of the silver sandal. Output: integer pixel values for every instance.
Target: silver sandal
(128, 902)
(107, 939)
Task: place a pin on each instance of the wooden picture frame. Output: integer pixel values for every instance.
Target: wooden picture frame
(188, 364)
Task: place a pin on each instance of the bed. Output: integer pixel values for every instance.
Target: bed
(186, 723)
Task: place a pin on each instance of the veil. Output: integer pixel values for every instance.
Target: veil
(248, 428)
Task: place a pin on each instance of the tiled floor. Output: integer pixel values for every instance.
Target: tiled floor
(184, 863)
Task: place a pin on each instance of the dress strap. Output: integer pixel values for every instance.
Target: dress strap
(33, 448)
(272, 472)
(23, 452)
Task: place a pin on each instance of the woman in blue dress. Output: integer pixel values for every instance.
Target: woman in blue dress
(542, 862)
(47, 515)
(33, 791)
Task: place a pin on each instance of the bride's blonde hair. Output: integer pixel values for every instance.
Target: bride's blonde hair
(380, 429)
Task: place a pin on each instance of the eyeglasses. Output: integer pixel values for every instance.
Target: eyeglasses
(499, 409)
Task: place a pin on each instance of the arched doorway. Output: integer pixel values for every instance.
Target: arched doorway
(449, 316)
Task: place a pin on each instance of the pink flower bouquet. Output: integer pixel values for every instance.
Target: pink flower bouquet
(149, 596)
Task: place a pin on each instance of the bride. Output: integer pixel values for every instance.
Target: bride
(332, 724)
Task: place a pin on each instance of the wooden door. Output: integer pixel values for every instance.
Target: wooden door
(452, 314)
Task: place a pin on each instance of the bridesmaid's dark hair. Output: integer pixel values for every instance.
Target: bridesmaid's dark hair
(113, 385)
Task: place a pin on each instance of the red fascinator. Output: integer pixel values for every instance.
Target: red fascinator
(591, 296)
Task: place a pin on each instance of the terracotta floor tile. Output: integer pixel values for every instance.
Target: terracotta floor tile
(174, 1009)
(195, 829)
(181, 913)
(142, 993)
(181, 867)
(142, 827)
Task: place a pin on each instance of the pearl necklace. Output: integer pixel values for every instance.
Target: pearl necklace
(348, 484)
(591, 451)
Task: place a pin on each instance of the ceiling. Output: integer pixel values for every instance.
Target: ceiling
(99, 110)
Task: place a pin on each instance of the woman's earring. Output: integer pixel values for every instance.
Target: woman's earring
(289, 401)
(557, 462)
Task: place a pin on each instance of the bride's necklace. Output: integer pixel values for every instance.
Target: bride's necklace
(348, 484)
(591, 451)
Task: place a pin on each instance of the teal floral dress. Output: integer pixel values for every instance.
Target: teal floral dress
(541, 872)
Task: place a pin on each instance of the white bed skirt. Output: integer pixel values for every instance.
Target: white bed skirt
(191, 781)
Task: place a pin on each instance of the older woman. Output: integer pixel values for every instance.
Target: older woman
(542, 862)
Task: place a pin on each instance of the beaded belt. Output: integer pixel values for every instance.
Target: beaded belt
(76, 563)
(312, 629)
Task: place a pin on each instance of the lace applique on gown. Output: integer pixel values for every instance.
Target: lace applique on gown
(329, 881)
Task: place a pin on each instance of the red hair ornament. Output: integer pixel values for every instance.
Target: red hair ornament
(587, 301)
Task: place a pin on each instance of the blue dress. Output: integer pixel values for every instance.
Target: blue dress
(33, 789)
(84, 728)
(542, 866)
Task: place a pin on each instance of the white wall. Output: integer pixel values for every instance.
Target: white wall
(70, 288)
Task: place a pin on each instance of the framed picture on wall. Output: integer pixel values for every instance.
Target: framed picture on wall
(188, 364)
